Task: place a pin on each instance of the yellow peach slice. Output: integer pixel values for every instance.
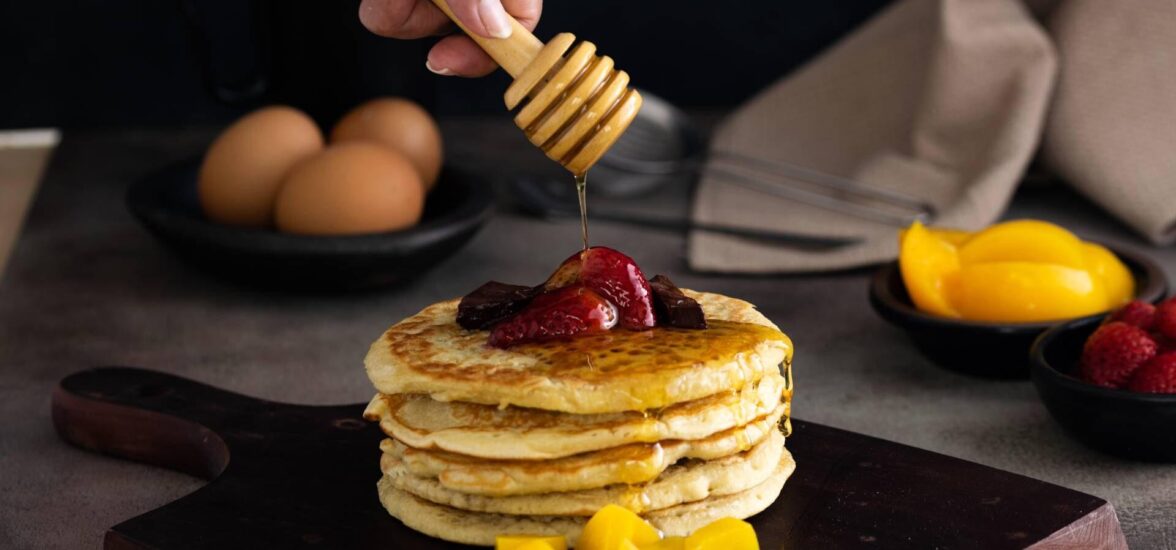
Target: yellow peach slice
(926, 262)
(668, 543)
(511, 542)
(538, 545)
(723, 534)
(1117, 279)
(612, 526)
(1024, 241)
(1025, 292)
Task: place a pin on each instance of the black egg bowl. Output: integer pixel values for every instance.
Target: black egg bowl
(1123, 423)
(167, 205)
(985, 349)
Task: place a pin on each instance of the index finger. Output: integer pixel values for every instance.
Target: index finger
(402, 19)
(420, 18)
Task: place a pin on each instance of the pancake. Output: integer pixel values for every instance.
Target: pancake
(519, 433)
(629, 464)
(481, 528)
(606, 372)
(689, 481)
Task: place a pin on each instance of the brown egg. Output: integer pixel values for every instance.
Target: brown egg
(399, 124)
(244, 166)
(350, 188)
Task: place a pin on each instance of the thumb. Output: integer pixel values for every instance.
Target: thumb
(482, 17)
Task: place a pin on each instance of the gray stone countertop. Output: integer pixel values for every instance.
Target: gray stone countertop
(88, 286)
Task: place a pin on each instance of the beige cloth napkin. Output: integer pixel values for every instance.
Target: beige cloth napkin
(1112, 125)
(945, 100)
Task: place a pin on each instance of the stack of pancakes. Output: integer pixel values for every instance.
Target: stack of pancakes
(681, 426)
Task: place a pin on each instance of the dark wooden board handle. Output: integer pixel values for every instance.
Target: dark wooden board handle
(149, 417)
(281, 475)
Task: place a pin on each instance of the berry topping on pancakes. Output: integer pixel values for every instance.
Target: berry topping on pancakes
(593, 290)
(616, 277)
(560, 313)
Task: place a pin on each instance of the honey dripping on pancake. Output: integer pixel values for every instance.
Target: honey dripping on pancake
(742, 441)
(582, 195)
(786, 422)
(658, 356)
(634, 498)
(639, 464)
(635, 471)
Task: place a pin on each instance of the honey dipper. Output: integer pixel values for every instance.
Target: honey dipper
(571, 103)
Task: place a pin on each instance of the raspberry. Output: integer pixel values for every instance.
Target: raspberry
(1113, 352)
(1165, 322)
(1136, 313)
(1163, 343)
(1155, 376)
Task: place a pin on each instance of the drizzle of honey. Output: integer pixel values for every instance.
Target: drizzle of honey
(582, 195)
(742, 442)
(599, 355)
(659, 355)
(786, 396)
(641, 468)
(659, 349)
(635, 499)
(648, 429)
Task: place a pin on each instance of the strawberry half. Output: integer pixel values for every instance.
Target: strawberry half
(556, 314)
(614, 276)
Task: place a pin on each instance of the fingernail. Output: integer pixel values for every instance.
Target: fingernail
(435, 70)
(495, 18)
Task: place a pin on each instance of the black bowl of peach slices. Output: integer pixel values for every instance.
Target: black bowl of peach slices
(274, 204)
(973, 302)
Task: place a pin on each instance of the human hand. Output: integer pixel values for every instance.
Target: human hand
(455, 54)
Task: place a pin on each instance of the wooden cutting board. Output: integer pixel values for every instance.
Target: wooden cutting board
(294, 476)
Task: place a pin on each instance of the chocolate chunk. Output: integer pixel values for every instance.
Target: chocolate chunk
(493, 302)
(674, 308)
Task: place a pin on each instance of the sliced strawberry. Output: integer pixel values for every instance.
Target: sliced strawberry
(559, 313)
(568, 272)
(616, 277)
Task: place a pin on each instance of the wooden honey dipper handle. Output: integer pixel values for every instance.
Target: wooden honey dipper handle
(572, 103)
(513, 54)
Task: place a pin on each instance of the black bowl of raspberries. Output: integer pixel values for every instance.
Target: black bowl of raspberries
(1111, 382)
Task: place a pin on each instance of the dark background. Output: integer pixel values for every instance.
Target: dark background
(113, 63)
